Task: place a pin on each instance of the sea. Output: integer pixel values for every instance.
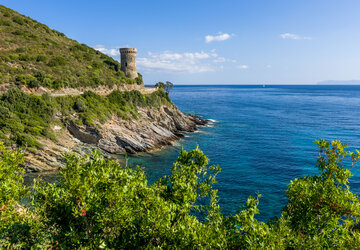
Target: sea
(262, 137)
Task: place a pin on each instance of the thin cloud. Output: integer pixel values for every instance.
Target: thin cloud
(294, 36)
(188, 62)
(113, 51)
(217, 38)
(244, 66)
(220, 60)
(110, 52)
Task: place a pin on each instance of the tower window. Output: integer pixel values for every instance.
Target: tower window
(126, 64)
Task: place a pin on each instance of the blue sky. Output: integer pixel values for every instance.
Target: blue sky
(216, 42)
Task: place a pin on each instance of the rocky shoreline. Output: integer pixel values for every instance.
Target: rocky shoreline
(154, 129)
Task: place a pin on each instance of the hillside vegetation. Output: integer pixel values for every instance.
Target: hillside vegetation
(24, 117)
(32, 54)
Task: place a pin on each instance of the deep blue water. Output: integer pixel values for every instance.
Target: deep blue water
(263, 137)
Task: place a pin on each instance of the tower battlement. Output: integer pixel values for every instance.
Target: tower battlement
(128, 50)
(128, 62)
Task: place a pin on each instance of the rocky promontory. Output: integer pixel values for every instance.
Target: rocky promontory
(154, 129)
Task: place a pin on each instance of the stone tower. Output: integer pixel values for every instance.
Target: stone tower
(128, 62)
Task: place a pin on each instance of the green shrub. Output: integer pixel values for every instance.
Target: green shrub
(97, 65)
(18, 20)
(2, 136)
(26, 79)
(139, 79)
(112, 64)
(57, 84)
(20, 50)
(87, 57)
(79, 47)
(57, 61)
(5, 23)
(33, 84)
(35, 130)
(41, 58)
(25, 140)
(113, 81)
(23, 33)
(130, 81)
(24, 57)
(80, 105)
(6, 12)
(96, 82)
(14, 56)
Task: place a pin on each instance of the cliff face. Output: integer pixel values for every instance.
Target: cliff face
(154, 129)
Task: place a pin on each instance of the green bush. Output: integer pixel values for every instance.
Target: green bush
(25, 79)
(99, 204)
(41, 58)
(24, 116)
(25, 140)
(6, 11)
(79, 105)
(5, 23)
(57, 61)
(18, 20)
(14, 56)
(33, 84)
(139, 79)
(97, 65)
(80, 47)
(57, 84)
(18, 229)
(23, 33)
(24, 57)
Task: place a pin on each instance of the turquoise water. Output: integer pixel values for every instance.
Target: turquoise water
(263, 137)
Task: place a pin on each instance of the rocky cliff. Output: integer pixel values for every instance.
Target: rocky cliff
(154, 129)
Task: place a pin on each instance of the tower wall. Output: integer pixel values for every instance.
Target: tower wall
(128, 62)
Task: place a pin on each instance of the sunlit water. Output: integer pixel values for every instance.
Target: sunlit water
(263, 137)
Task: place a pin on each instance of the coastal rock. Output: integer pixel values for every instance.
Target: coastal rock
(153, 129)
(84, 133)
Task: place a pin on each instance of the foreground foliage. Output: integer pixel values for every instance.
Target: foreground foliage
(99, 204)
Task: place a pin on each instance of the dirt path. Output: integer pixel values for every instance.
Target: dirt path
(102, 90)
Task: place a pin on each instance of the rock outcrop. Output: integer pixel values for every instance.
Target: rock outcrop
(154, 129)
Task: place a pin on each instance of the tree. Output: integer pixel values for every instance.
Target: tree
(322, 207)
(167, 87)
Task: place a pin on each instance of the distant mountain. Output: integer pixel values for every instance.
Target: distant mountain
(339, 82)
